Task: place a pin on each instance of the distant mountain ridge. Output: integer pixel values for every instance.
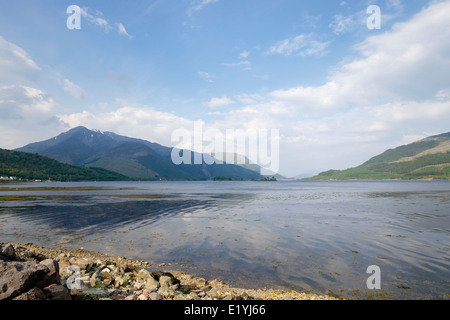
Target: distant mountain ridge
(131, 157)
(428, 158)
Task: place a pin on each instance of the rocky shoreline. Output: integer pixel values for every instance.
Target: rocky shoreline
(32, 272)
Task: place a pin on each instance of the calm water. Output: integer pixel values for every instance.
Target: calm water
(290, 235)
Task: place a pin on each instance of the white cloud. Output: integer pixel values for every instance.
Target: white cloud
(218, 102)
(74, 90)
(131, 120)
(97, 20)
(409, 63)
(302, 45)
(26, 113)
(199, 4)
(343, 24)
(244, 63)
(250, 98)
(16, 65)
(244, 55)
(206, 76)
(122, 31)
(20, 102)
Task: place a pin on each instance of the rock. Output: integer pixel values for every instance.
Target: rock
(94, 278)
(201, 282)
(165, 281)
(244, 296)
(82, 263)
(33, 294)
(167, 277)
(52, 276)
(138, 285)
(193, 296)
(205, 288)
(144, 274)
(106, 270)
(166, 292)
(64, 265)
(142, 297)
(8, 251)
(57, 292)
(180, 297)
(19, 277)
(154, 296)
(213, 293)
(131, 298)
(120, 281)
(91, 294)
(152, 284)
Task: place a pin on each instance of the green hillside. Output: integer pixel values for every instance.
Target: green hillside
(425, 159)
(28, 166)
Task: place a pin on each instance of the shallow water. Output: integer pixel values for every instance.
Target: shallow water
(300, 235)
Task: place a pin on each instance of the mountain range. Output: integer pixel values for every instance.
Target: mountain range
(428, 158)
(130, 157)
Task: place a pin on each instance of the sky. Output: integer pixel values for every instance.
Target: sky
(338, 90)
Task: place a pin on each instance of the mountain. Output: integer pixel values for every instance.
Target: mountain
(428, 158)
(35, 167)
(135, 158)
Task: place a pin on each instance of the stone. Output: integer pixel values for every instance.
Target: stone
(82, 263)
(131, 297)
(184, 288)
(167, 277)
(201, 282)
(64, 265)
(33, 294)
(205, 288)
(165, 281)
(106, 270)
(91, 294)
(120, 281)
(180, 297)
(93, 279)
(193, 296)
(154, 296)
(8, 251)
(143, 274)
(19, 277)
(213, 293)
(152, 283)
(57, 292)
(166, 292)
(138, 285)
(142, 297)
(52, 276)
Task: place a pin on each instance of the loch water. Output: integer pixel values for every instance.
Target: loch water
(318, 236)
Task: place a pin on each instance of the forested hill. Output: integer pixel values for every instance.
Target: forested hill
(28, 166)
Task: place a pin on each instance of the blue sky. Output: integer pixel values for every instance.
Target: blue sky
(338, 92)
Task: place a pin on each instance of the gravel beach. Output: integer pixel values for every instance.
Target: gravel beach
(88, 275)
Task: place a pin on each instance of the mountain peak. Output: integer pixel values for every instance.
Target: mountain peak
(131, 157)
